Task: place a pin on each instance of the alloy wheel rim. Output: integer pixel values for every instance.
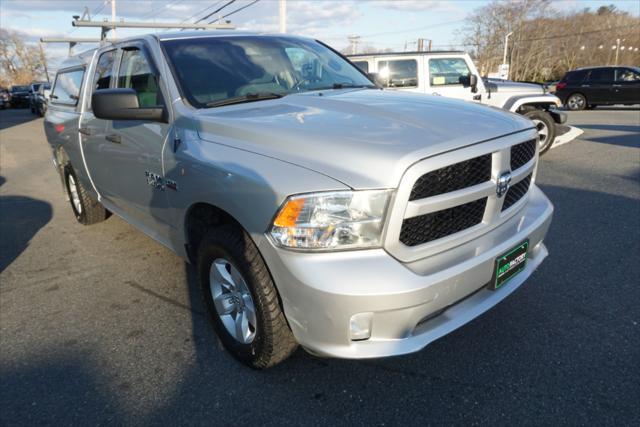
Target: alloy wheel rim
(75, 198)
(232, 301)
(575, 102)
(543, 131)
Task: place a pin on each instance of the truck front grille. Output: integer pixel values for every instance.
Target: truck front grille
(436, 225)
(516, 192)
(454, 177)
(522, 153)
(449, 199)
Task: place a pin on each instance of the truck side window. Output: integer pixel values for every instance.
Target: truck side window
(66, 89)
(104, 70)
(136, 73)
(399, 72)
(448, 71)
(363, 65)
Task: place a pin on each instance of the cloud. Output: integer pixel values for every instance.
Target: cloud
(419, 5)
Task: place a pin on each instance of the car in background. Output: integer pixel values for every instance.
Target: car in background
(5, 97)
(593, 86)
(40, 99)
(453, 74)
(20, 96)
(33, 94)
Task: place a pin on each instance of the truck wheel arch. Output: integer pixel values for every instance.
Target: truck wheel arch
(200, 217)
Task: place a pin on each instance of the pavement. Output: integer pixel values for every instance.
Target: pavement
(102, 325)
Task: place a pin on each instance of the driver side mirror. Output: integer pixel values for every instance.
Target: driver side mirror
(122, 104)
(473, 82)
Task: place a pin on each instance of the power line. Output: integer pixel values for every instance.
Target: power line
(161, 10)
(201, 11)
(237, 10)
(215, 11)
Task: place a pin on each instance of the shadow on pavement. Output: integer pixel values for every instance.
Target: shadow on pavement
(16, 229)
(557, 349)
(15, 117)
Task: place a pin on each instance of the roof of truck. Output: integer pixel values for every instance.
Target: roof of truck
(432, 52)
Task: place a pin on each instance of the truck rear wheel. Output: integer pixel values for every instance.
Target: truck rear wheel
(545, 126)
(86, 210)
(242, 299)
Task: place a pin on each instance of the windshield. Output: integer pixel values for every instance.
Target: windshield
(211, 70)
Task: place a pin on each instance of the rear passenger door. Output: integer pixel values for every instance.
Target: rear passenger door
(136, 182)
(93, 130)
(600, 86)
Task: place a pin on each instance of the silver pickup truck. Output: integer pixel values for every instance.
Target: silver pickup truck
(318, 209)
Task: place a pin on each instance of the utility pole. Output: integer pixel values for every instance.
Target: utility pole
(505, 67)
(420, 45)
(617, 50)
(113, 17)
(43, 58)
(283, 16)
(354, 40)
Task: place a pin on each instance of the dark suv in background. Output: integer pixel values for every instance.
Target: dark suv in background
(20, 96)
(590, 87)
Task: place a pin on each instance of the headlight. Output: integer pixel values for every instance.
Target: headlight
(332, 221)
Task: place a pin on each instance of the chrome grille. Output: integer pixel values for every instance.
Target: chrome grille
(516, 192)
(426, 228)
(522, 153)
(448, 199)
(451, 178)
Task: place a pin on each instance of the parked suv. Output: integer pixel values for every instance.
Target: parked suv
(590, 87)
(19, 96)
(453, 74)
(317, 208)
(33, 95)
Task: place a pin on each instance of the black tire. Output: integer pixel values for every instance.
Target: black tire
(273, 341)
(576, 102)
(544, 121)
(89, 211)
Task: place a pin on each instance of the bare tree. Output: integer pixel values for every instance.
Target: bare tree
(546, 43)
(20, 62)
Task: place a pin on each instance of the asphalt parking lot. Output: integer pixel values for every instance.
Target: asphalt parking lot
(101, 325)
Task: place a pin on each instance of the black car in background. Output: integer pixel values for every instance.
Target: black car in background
(20, 96)
(589, 87)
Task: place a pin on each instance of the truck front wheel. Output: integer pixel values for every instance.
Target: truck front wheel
(86, 210)
(545, 126)
(241, 298)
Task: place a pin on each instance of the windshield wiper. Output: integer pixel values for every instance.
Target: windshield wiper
(249, 97)
(350, 85)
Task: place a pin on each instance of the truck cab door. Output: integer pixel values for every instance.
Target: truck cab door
(451, 77)
(136, 184)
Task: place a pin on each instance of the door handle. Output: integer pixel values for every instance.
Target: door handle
(617, 85)
(85, 131)
(113, 138)
(586, 86)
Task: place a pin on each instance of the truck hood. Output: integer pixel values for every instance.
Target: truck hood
(509, 86)
(362, 138)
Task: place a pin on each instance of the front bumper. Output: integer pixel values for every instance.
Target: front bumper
(409, 305)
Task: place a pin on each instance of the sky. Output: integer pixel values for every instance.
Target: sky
(394, 24)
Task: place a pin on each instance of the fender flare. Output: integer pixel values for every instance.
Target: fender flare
(515, 102)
